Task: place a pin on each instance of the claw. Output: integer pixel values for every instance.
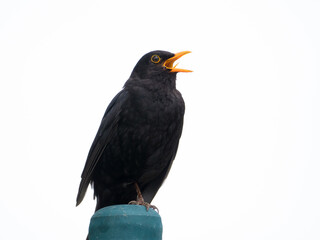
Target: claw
(140, 200)
(146, 204)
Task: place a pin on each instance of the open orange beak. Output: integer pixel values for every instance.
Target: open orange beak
(169, 62)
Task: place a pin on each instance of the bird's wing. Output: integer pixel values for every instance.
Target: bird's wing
(102, 139)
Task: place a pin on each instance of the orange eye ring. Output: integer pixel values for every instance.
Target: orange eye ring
(155, 59)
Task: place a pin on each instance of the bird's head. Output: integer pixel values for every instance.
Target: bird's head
(158, 64)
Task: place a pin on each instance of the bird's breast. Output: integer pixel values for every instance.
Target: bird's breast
(155, 108)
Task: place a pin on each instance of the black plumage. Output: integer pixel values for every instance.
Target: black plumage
(139, 134)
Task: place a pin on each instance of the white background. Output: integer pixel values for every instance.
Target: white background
(248, 163)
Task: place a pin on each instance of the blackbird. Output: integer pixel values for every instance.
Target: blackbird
(139, 134)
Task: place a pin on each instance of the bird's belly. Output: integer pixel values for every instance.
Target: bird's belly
(144, 143)
(136, 153)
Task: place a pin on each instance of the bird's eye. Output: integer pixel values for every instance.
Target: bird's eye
(155, 59)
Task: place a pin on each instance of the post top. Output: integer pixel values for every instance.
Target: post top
(125, 210)
(127, 222)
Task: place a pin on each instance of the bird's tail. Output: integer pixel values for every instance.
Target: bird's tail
(82, 190)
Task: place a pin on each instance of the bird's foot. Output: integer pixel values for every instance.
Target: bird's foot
(143, 203)
(140, 200)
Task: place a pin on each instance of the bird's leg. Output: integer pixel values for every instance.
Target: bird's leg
(140, 200)
(139, 194)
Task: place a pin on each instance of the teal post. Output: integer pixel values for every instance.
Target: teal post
(127, 222)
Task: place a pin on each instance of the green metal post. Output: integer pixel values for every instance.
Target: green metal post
(127, 222)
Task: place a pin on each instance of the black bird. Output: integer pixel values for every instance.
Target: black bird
(139, 134)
